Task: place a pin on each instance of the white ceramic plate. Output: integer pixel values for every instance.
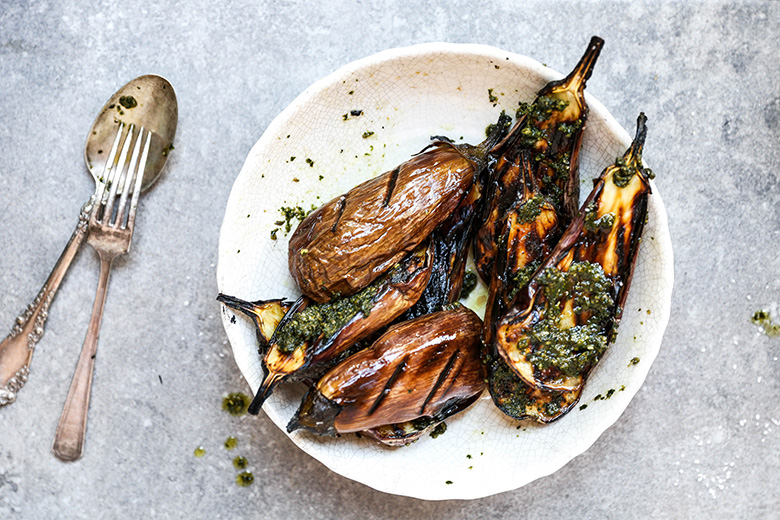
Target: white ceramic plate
(407, 95)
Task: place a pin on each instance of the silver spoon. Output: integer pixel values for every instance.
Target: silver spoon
(147, 101)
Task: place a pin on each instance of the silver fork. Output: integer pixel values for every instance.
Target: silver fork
(110, 234)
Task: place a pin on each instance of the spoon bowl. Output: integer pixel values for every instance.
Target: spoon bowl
(147, 101)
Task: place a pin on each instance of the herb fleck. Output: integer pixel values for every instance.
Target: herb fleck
(633, 361)
(310, 162)
(199, 451)
(128, 102)
(491, 97)
(763, 319)
(230, 443)
(367, 134)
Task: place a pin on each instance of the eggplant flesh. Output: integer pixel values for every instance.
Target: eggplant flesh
(429, 367)
(551, 130)
(311, 335)
(350, 241)
(568, 313)
(265, 314)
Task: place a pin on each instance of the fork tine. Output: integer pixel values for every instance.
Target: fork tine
(116, 176)
(107, 169)
(120, 212)
(139, 179)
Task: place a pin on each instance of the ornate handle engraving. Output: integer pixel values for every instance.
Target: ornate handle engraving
(17, 348)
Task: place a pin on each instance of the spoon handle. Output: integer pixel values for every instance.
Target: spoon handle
(71, 429)
(16, 350)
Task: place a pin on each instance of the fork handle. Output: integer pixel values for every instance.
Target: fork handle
(16, 350)
(69, 438)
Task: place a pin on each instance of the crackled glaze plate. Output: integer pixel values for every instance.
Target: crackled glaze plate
(365, 119)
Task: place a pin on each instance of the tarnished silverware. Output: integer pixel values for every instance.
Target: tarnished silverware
(145, 101)
(111, 225)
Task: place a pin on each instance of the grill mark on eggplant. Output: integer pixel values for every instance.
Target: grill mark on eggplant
(340, 211)
(388, 386)
(440, 380)
(391, 186)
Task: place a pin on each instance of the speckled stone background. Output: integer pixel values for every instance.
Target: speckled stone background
(700, 440)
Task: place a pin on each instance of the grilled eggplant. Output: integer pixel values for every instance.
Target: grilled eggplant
(266, 315)
(311, 334)
(566, 316)
(425, 369)
(350, 241)
(531, 230)
(550, 129)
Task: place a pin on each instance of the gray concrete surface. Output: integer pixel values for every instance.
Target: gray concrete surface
(700, 440)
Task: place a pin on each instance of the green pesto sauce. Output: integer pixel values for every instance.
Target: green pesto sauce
(240, 462)
(763, 319)
(530, 209)
(245, 479)
(572, 350)
(324, 319)
(439, 430)
(469, 283)
(521, 278)
(561, 165)
(492, 97)
(290, 214)
(199, 451)
(230, 443)
(128, 102)
(512, 395)
(592, 223)
(235, 403)
(568, 129)
(625, 172)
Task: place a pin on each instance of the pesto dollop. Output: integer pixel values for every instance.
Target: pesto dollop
(604, 222)
(324, 319)
(572, 349)
(469, 283)
(530, 209)
(235, 403)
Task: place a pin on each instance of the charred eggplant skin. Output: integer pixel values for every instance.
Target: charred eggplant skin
(312, 334)
(427, 367)
(350, 241)
(452, 238)
(550, 129)
(578, 293)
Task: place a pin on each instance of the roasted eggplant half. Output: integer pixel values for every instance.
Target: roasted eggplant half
(550, 129)
(311, 334)
(424, 369)
(350, 241)
(568, 313)
(265, 314)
